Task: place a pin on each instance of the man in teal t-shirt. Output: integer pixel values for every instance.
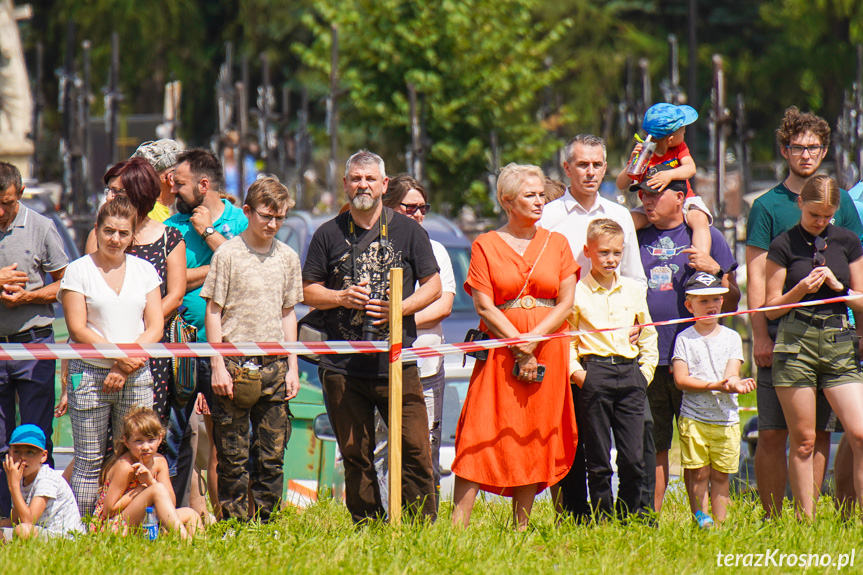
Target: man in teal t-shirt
(206, 222)
(803, 139)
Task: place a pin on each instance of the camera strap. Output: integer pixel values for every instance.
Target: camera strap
(358, 247)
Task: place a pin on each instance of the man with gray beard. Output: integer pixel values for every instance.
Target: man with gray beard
(346, 274)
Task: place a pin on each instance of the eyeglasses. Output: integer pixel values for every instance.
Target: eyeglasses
(269, 218)
(798, 150)
(114, 192)
(410, 209)
(818, 258)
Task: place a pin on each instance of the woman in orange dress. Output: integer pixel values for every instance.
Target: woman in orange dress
(517, 434)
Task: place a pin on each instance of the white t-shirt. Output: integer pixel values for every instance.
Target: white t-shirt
(119, 318)
(61, 515)
(434, 335)
(707, 358)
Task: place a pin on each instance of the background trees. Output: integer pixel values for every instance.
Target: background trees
(532, 72)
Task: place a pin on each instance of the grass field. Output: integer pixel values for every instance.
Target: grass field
(323, 540)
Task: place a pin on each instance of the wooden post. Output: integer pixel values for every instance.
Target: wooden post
(395, 422)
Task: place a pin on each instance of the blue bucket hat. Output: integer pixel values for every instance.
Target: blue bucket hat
(660, 120)
(28, 434)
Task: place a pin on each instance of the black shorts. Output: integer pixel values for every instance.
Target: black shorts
(664, 399)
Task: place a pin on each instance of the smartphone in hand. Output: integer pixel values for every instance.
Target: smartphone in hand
(540, 371)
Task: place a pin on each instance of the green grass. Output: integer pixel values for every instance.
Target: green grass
(323, 540)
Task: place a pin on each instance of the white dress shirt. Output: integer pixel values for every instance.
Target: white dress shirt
(568, 217)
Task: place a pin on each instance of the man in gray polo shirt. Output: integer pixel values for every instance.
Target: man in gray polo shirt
(30, 247)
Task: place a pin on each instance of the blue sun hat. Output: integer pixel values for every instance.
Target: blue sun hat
(28, 434)
(663, 119)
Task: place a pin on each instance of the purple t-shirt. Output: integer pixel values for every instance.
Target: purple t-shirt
(667, 270)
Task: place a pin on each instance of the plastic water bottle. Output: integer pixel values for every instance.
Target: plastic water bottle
(226, 231)
(151, 525)
(638, 165)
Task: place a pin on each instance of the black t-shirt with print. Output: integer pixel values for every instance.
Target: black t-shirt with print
(407, 246)
(794, 250)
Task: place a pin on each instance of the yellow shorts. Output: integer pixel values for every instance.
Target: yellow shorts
(703, 444)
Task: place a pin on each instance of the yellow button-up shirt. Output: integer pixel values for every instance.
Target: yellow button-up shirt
(622, 306)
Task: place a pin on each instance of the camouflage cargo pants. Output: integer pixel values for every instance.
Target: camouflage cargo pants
(261, 431)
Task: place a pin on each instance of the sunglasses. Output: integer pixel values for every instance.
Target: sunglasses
(818, 258)
(410, 209)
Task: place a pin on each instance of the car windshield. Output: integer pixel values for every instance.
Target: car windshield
(308, 372)
(460, 263)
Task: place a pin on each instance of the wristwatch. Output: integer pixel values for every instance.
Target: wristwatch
(208, 231)
(723, 272)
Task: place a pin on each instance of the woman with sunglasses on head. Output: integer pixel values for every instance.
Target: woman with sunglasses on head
(407, 196)
(156, 243)
(816, 349)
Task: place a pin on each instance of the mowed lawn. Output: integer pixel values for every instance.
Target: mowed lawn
(322, 540)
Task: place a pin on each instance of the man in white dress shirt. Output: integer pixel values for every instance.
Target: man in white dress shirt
(585, 165)
(569, 215)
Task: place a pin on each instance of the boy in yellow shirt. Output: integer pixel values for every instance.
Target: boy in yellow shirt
(612, 373)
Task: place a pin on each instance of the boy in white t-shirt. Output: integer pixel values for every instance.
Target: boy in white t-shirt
(706, 364)
(42, 501)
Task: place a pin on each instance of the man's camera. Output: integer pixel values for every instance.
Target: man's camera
(371, 332)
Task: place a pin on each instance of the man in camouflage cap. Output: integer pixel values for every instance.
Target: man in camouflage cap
(162, 155)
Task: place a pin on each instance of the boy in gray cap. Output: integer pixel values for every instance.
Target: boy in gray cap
(162, 155)
(707, 359)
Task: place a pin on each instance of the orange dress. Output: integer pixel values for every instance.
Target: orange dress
(510, 432)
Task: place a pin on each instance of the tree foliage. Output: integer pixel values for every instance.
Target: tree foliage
(478, 63)
(534, 72)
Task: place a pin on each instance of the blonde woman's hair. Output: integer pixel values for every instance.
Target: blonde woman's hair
(141, 420)
(512, 176)
(821, 190)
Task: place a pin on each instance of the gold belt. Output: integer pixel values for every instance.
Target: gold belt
(528, 302)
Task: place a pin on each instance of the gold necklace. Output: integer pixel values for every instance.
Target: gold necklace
(116, 284)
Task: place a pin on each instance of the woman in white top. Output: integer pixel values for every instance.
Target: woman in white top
(407, 196)
(108, 297)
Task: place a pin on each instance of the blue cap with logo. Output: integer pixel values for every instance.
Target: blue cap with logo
(28, 434)
(661, 120)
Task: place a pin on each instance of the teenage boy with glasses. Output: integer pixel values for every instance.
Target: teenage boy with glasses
(251, 289)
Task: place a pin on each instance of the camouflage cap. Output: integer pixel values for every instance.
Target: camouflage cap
(162, 154)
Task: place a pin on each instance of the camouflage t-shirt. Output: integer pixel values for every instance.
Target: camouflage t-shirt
(253, 288)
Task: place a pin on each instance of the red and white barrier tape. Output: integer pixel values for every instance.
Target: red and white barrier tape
(31, 351)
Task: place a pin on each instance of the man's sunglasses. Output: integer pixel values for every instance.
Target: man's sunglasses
(410, 209)
(818, 258)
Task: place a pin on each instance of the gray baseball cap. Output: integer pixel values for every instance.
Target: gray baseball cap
(162, 154)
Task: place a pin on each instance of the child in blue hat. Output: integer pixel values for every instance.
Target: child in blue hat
(666, 125)
(42, 501)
